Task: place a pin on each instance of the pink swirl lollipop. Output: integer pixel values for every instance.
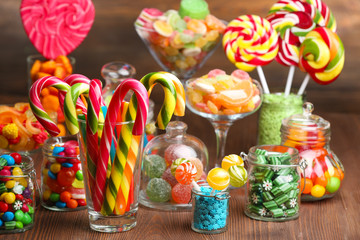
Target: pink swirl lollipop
(57, 27)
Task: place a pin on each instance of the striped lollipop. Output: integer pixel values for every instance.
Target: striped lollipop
(185, 173)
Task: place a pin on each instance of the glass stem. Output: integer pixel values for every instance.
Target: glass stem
(221, 131)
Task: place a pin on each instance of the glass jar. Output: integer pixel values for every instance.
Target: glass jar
(210, 211)
(275, 107)
(273, 188)
(159, 188)
(62, 183)
(17, 193)
(310, 134)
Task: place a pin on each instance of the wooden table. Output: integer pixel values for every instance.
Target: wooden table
(114, 38)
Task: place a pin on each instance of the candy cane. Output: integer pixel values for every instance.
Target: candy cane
(36, 106)
(105, 144)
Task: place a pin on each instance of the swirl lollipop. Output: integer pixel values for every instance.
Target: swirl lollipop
(185, 173)
(322, 55)
(250, 41)
(218, 178)
(238, 176)
(57, 27)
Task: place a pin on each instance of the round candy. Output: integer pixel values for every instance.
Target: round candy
(9, 159)
(25, 208)
(176, 151)
(8, 216)
(176, 163)
(199, 167)
(66, 177)
(55, 167)
(70, 152)
(72, 203)
(167, 176)
(60, 204)
(3, 207)
(79, 175)
(238, 176)
(10, 198)
(333, 185)
(154, 166)
(65, 196)
(19, 225)
(181, 193)
(81, 202)
(10, 184)
(19, 215)
(27, 193)
(158, 190)
(317, 191)
(61, 159)
(27, 219)
(231, 160)
(17, 171)
(185, 173)
(54, 197)
(218, 178)
(17, 157)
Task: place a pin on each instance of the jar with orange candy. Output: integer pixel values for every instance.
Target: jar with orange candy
(310, 134)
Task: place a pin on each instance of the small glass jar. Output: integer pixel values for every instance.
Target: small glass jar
(310, 134)
(159, 189)
(210, 211)
(62, 183)
(17, 193)
(275, 107)
(273, 188)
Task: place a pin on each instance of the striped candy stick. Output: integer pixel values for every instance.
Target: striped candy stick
(36, 106)
(166, 80)
(71, 98)
(105, 144)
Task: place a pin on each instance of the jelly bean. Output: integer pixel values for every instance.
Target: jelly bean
(54, 197)
(10, 160)
(23, 182)
(67, 165)
(8, 216)
(55, 167)
(72, 203)
(3, 207)
(17, 171)
(66, 177)
(60, 159)
(2, 196)
(10, 184)
(322, 181)
(333, 184)
(31, 209)
(19, 197)
(18, 189)
(19, 215)
(27, 193)
(57, 150)
(25, 208)
(17, 157)
(317, 191)
(1, 223)
(46, 195)
(52, 175)
(81, 202)
(79, 175)
(10, 198)
(308, 185)
(65, 196)
(27, 219)
(70, 152)
(60, 204)
(4, 172)
(19, 225)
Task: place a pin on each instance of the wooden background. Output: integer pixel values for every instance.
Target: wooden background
(113, 37)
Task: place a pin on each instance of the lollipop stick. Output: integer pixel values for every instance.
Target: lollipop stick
(304, 84)
(263, 79)
(195, 186)
(289, 80)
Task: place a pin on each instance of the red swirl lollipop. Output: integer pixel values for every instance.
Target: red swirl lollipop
(57, 27)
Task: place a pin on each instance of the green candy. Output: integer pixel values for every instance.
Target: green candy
(19, 215)
(26, 219)
(154, 166)
(10, 225)
(79, 175)
(158, 190)
(54, 197)
(31, 209)
(333, 184)
(197, 9)
(19, 225)
(238, 176)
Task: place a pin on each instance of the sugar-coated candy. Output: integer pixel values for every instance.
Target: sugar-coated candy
(218, 178)
(185, 173)
(176, 151)
(231, 160)
(181, 193)
(199, 167)
(238, 175)
(154, 166)
(158, 190)
(167, 176)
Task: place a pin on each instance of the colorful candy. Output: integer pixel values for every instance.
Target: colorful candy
(158, 190)
(154, 166)
(175, 164)
(231, 160)
(175, 151)
(218, 178)
(238, 176)
(185, 173)
(181, 193)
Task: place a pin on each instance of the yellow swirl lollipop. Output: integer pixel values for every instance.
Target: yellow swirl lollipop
(218, 179)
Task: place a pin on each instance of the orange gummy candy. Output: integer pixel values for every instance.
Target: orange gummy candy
(48, 67)
(35, 69)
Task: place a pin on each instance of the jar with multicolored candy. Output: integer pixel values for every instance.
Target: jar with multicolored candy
(310, 134)
(62, 182)
(273, 188)
(162, 156)
(17, 193)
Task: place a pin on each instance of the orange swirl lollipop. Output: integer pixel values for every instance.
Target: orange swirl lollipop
(218, 178)
(185, 173)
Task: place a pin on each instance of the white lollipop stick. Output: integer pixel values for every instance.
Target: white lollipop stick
(304, 84)
(289, 80)
(195, 186)
(263, 79)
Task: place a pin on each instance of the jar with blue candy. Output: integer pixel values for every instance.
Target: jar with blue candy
(273, 187)
(62, 183)
(210, 209)
(17, 193)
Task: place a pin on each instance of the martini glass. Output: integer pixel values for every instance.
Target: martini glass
(220, 122)
(182, 60)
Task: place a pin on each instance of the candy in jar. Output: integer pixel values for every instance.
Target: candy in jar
(310, 134)
(62, 181)
(171, 163)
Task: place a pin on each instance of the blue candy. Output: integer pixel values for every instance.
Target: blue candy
(67, 165)
(58, 150)
(1, 223)
(51, 175)
(60, 204)
(10, 160)
(8, 216)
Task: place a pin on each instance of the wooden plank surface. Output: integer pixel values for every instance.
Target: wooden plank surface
(114, 38)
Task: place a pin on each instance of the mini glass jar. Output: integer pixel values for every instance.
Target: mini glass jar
(275, 107)
(62, 183)
(159, 189)
(17, 193)
(210, 211)
(310, 134)
(273, 188)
